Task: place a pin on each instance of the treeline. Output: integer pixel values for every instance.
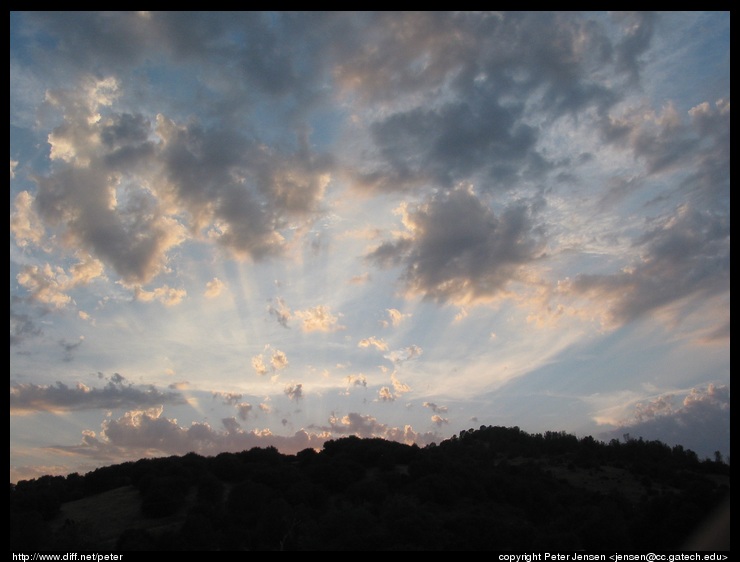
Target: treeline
(493, 488)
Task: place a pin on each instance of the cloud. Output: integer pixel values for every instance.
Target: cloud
(398, 386)
(214, 288)
(294, 391)
(399, 356)
(395, 317)
(457, 250)
(168, 296)
(88, 199)
(50, 285)
(378, 344)
(356, 380)
(147, 433)
(278, 361)
(179, 385)
(243, 410)
(700, 422)
(281, 311)
(258, 363)
(22, 326)
(365, 426)
(70, 347)
(458, 102)
(435, 408)
(385, 394)
(129, 188)
(27, 398)
(638, 30)
(439, 420)
(228, 398)
(685, 257)
(319, 319)
(25, 225)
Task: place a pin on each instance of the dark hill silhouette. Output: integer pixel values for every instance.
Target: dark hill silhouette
(493, 488)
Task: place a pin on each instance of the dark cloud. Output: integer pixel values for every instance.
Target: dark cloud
(60, 397)
(69, 348)
(244, 410)
(111, 189)
(458, 249)
(638, 28)
(701, 422)
(454, 143)
(698, 146)
(22, 326)
(294, 391)
(133, 238)
(147, 432)
(482, 83)
(685, 256)
(280, 311)
(228, 398)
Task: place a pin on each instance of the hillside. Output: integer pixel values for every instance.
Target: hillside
(494, 488)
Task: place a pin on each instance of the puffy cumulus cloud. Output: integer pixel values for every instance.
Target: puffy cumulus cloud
(398, 386)
(280, 311)
(93, 199)
(399, 356)
(214, 287)
(684, 261)
(278, 361)
(50, 285)
(146, 432)
(372, 341)
(28, 398)
(46, 284)
(129, 188)
(385, 394)
(243, 410)
(242, 190)
(258, 363)
(319, 319)
(169, 296)
(25, 225)
(457, 250)
(395, 317)
(265, 408)
(356, 380)
(439, 420)
(435, 408)
(700, 422)
(365, 426)
(294, 391)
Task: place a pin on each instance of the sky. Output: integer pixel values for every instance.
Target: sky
(271, 229)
